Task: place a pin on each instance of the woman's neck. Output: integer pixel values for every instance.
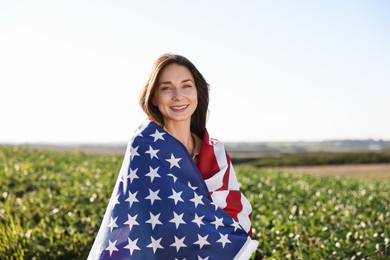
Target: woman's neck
(182, 132)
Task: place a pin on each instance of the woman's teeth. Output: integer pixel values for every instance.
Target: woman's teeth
(179, 107)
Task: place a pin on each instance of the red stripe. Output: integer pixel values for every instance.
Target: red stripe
(234, 205)
(207, 163)
(250, 229)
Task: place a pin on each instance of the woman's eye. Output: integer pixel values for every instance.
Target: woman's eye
(165, 88)
(187, 86)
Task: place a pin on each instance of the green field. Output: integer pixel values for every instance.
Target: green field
(51, 206)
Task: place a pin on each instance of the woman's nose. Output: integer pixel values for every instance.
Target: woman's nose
(177, 94)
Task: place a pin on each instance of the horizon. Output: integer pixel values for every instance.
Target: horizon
(121, 143)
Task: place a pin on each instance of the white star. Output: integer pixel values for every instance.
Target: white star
(138, 133)
(177, 219)
(215, 205)
(132, 245)
(153, 173)
(112, 224)
(112, 247)
(157, 135)
(134, 152)
(132, 175)
(179, 243)
(132, 198)
(154, 220)
(153, 153)
(201, 258)
(176, 196)
(198, 220)
(197, 200)
(122, 177)
(173, 161)
(202, 241)
(218, 222)
(223, 239)
(192, 187)
(115, 201)
(235, 225)
(131, 221)
(153, 196)
(155, 244)
(173, 176)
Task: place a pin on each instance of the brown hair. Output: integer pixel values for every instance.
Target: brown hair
(198, 119)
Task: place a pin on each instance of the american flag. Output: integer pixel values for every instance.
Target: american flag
(162, 207)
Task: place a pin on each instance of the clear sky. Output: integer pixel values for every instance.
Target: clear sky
(72, 71)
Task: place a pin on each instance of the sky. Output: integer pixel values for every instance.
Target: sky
(72, 71)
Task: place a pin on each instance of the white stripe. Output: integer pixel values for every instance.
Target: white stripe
(219, 198)
(233, 182)
(247, 250)
(215, 182)
(243, 216)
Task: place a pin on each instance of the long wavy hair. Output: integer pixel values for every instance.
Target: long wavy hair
(199, 117)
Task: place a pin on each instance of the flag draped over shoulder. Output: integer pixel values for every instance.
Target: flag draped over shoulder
(164, 207)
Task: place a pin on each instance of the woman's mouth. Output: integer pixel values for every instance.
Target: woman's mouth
(178, 108)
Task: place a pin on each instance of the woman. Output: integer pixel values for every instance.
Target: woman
(177, 195)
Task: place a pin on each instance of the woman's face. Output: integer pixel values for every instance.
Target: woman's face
(176, 94)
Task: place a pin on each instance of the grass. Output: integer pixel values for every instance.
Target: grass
(51, 206)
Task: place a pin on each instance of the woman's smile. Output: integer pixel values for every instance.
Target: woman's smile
(179, 108)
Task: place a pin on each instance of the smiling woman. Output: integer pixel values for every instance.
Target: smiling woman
(177, 195)
(176, 99)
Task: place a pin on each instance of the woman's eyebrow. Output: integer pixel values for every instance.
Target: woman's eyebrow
(165, 82)
(170, 82)
(186, 80)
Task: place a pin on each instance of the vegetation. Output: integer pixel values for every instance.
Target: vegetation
(319, 158)
(51, 206)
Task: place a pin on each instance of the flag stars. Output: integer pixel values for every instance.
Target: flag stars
(198, 220)
(134, 152)
(132, 175)
(112, 224)
(138, 132)
(157, 136)
(176, 196)
(111, 247)
(218, 222)
(115, 201)
(154, 220)
(177, 219)
(215, 205)
(156, 244)
(223, 240)
(131, 221)
(197, 200)
(235, 225)
(153, 173)
(192, 187)
(173, 161)
(152, 152)
(132, 245)
(173, 177)
(179, 243)
(202, 241)
(153, 196)
(132, 198)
